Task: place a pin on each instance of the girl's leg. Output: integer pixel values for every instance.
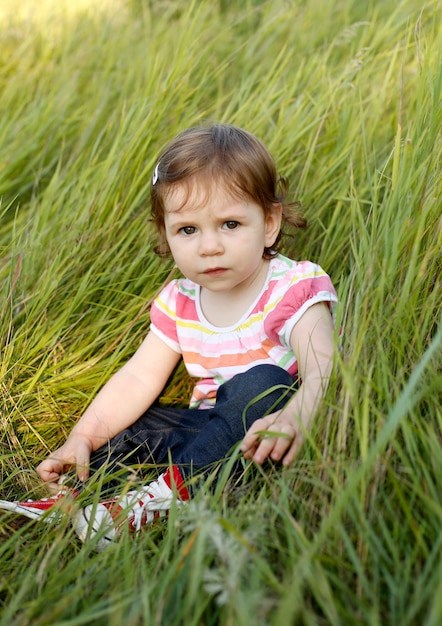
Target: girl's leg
(240, 401)
(195, 439)
(156, 437)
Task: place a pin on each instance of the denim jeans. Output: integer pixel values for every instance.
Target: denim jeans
(196, 439)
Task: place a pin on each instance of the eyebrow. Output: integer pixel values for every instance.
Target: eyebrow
(181, 216)
(179, 222)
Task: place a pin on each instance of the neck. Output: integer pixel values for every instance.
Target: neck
(225, 308)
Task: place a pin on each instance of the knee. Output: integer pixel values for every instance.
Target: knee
(255, 381)
(266, 376)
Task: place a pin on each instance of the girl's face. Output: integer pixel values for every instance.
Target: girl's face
(218, 240)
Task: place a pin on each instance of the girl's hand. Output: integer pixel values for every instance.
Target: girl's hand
(275, 436)
(281, 435)
(74, 453)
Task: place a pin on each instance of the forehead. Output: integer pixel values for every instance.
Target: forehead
(194, 194)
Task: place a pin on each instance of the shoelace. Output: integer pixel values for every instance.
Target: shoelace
(157, 494)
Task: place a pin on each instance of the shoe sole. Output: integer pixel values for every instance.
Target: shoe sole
(12, 522)
(19, 509)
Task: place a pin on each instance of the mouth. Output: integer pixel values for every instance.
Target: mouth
(215, 271)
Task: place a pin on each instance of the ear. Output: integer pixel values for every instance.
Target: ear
(273, 224)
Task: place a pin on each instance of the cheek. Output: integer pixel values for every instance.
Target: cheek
(179, 249)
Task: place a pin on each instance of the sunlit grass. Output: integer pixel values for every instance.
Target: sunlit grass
(347, 97)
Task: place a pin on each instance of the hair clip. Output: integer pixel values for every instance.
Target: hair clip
(155, 175)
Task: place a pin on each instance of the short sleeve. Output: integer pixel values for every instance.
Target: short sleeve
(300, 288)
(163, 316)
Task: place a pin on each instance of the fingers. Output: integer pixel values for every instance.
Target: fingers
(50, 470)
(253, 436)
(270, 438)
(293, 449)
(83, 468)
(82, 458)
(75, 453)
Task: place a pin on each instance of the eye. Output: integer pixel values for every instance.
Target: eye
(188, 230)
(230, 225)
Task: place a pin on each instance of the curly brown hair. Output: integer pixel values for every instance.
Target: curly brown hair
(227, 153)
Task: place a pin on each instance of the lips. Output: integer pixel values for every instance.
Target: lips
(215, 271)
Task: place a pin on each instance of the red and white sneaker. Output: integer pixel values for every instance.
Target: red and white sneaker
(133, 510)
(46, 509)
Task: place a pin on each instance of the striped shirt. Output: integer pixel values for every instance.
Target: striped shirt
(215, 354)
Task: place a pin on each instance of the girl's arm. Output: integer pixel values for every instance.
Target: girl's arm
(312, 342)
(126, 396)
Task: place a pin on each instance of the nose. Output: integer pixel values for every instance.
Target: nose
(210, 244)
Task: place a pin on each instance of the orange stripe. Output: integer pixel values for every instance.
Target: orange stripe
(199, 394)
(228, 360)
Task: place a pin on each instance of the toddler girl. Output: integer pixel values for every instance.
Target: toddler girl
(253, 328)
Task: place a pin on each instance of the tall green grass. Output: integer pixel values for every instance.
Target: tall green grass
(347, 97)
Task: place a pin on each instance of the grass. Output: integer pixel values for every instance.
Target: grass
(347, 97)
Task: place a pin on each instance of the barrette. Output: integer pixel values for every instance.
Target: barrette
(155, 175)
